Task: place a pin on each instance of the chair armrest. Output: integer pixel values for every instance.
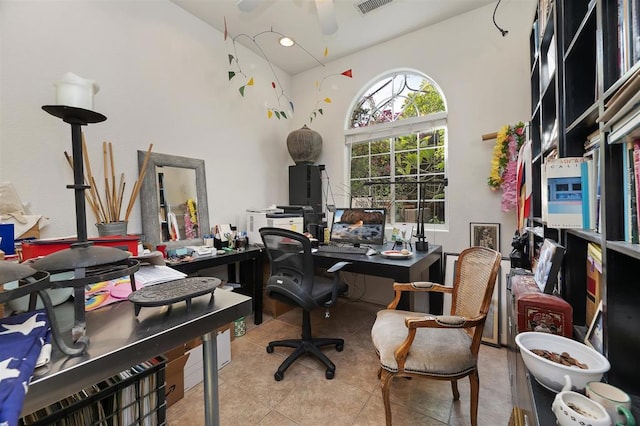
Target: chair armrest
(442, 321)
(423, 286)
(430, 321)
(338, 266)
(336, 281)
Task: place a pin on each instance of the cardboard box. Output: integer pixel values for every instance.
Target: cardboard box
(273, 307)
(174, 379)
(270, 306)
(194, 370)
(174, 353)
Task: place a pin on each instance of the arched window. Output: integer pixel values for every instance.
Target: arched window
(397, 137)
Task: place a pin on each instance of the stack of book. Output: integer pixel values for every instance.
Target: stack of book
(571, 189)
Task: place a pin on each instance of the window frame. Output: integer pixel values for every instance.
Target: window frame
(397, 127)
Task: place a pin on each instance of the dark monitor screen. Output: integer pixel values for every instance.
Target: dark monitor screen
(358, 226)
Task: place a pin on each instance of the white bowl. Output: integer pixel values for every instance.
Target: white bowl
(551, 374)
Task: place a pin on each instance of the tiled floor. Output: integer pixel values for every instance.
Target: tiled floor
(249, 395)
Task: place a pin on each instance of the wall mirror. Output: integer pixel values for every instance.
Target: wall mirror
(173, 199)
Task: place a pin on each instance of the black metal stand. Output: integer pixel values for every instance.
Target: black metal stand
(77, 117)
(90, 264)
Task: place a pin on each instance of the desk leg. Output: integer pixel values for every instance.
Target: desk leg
(251, 275)
(210, 365)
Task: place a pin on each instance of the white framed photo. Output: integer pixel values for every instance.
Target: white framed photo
(485, 235)
(594, 337)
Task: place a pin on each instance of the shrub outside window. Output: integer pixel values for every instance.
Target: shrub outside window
(397, 140)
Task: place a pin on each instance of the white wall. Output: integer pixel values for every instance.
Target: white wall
(485, 79)
(163, 79)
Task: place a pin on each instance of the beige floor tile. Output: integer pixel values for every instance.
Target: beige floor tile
(324, 402)
(249, 394)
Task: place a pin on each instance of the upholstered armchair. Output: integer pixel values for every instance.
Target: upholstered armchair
(441, 347)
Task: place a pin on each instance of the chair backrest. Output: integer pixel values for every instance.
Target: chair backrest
(475, 277)
(291, 264)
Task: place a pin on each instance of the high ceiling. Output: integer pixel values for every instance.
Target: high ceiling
(299, 20)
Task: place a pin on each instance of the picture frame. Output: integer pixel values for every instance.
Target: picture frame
(450, 260)
(594, 336)
(491, 335)
(547, 267)
(503, 276)
(492, 326)
(485, 235)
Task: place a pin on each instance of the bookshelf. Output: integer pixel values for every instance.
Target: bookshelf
(593, 93)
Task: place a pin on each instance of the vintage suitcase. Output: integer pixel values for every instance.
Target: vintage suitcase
(538, 311)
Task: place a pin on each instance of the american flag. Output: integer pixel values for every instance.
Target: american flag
(22, 338)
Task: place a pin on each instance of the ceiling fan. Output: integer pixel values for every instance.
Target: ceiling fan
(325, 9)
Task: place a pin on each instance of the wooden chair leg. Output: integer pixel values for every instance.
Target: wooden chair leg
(454, 390)
(385, 384)
(474, 382)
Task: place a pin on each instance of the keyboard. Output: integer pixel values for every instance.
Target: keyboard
(342, 249)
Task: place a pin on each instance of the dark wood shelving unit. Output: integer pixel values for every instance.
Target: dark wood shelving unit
(589, 71)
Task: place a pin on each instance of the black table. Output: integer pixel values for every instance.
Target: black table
(400, 270)
(120, 340)
(250, 261)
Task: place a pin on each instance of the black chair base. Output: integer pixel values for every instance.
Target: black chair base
(306, 345)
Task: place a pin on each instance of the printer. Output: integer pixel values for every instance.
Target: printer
(274, 218)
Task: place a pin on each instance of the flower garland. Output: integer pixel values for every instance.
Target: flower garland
(191, 205)
(504, 162)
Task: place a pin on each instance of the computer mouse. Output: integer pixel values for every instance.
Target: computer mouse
(371, 252)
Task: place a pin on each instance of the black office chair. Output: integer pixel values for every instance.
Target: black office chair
(293, 282)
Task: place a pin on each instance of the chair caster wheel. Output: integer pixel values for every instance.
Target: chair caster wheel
(329, 374)
(278, 376)
(269, 349)
(339, 348)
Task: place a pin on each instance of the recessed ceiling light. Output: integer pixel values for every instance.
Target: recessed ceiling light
(286, 41)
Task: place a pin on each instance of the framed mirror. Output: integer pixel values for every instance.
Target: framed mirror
(173, 199)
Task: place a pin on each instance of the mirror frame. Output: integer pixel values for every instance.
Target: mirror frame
(149, 202)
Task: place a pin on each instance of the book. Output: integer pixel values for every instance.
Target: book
(594, 275)
(636, 189)
(564, 192)
(589, 183)
(629, 196)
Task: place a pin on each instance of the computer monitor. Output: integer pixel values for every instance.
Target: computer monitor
(358, 226)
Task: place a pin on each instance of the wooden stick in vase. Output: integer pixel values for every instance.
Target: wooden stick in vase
(92, 182)
(107, 191)
(136, 187)
(120, 196)
(114, 195)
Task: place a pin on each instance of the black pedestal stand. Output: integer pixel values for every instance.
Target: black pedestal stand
(83, 258)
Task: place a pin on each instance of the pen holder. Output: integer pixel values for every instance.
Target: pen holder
(240, 243)
(219, 244)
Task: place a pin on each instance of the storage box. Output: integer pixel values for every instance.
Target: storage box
(273, 307)
(174, 379)
(270, 306)
(538, 311)
(36, 248)
(194, 370)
